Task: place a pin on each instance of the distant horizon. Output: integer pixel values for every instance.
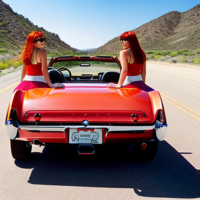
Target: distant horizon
(91, 25)
(88, 49)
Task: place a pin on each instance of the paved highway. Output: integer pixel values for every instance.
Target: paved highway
(59, 173)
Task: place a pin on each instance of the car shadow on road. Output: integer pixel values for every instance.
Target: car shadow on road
(29, 163)
(168, 175)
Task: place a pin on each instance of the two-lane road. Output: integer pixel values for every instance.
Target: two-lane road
(59, 173)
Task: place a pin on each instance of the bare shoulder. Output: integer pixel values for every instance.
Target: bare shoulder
(42, 52)
(123, 53)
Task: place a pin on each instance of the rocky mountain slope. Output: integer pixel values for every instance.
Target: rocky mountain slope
(172, 31)
(14, 29)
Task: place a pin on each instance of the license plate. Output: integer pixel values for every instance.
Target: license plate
(79, 136)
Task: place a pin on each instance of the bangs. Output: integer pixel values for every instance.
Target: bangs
(124, 35)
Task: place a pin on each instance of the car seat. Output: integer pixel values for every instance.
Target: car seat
(110, 76)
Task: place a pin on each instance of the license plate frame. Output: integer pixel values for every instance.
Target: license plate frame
(87, 136)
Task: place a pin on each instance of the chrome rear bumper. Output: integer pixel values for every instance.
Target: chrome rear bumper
(13, 126)
(12, 129)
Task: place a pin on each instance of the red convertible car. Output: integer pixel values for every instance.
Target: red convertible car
(86, 113)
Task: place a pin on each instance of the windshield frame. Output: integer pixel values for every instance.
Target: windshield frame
(89, 58)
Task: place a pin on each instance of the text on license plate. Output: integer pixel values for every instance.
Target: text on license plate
(77, 136)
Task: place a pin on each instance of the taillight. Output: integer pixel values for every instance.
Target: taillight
(134, 117)
(13, 115)
(160, 116)
(143, 146)
(37, 117)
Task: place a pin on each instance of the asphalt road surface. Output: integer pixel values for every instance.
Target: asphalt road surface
(112, 173)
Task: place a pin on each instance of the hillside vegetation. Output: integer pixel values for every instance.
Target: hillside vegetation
(14, 29)
(172, 32)
(173, 37)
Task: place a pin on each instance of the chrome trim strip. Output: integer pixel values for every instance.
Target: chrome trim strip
(62, 128)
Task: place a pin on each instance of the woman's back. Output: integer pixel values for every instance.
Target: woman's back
(134, 68)
(34, 71)
(34, 68)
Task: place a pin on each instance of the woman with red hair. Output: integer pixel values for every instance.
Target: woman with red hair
(133, 61)
(34, 72)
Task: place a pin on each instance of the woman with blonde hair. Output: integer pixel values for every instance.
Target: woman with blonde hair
(34, 72)
(133, 61)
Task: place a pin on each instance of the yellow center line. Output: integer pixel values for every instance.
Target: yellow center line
(181, 105)
(9, 87)
(182, 109)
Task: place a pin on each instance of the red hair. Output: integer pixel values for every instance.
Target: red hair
(28, 48)
(138, 52)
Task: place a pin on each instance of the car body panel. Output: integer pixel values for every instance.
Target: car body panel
(108, 109)
(84, 100)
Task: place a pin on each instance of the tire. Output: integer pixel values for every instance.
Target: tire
(147, 154)
(19, 150)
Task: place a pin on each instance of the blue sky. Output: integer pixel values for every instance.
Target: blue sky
(87, 24)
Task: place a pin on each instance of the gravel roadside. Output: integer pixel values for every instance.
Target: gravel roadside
(9, 77)
(182, 65)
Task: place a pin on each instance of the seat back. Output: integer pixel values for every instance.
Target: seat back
(110, 76)
(55, 76)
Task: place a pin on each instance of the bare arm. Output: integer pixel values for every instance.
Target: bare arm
(124, 63)
(42, 54)
(23, 72)
(143, 73)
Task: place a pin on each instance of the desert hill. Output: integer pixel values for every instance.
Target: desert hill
(172, 31)
(14, 29)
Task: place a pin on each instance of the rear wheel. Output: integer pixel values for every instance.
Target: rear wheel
(19, 149)
(147, 154)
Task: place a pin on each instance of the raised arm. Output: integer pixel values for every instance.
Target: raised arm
(23, 72)
(143, 72)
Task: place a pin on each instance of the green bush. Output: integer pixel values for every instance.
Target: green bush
(173, 54)
(183, 59)
(162, 53)
(182, 52)
(198, 50)
(3, 66)
(196, 61)
(17, 63)
(158, 56)
(10, 63)
(157, 53)
(189, 54)
(174, 61)
(3, 44)
(150, 52)
(165, 53)
(14, 53)
(3, 51)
